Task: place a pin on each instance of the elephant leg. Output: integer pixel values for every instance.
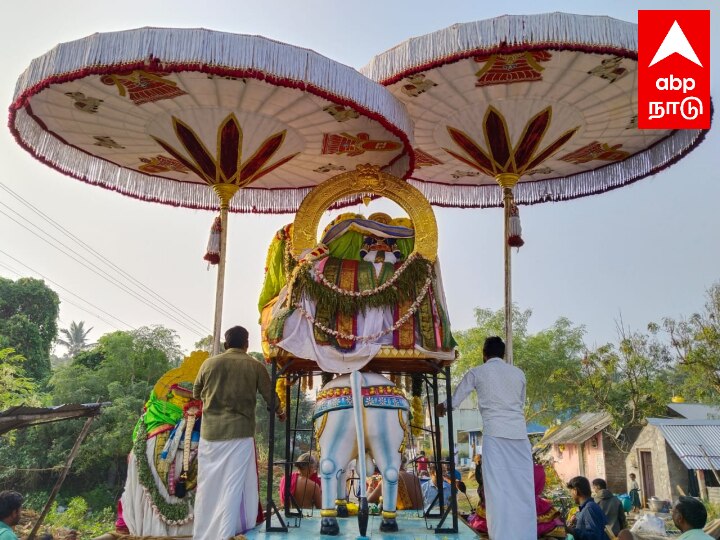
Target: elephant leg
(341, 501)
(337, 445)
(385, 446)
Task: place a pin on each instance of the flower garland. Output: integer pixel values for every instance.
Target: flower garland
(169, 513)
(304, 280)
(369, 292)
(374, 337)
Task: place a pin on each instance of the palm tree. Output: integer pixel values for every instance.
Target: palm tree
(75, 338)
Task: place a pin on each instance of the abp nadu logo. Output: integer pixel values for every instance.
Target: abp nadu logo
(673, 69)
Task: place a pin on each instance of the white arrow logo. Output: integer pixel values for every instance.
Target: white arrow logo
(675, 42)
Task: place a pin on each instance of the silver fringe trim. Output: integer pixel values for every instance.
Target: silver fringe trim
(557, 28)
(221, 50)
(92, 170)
(570, 187)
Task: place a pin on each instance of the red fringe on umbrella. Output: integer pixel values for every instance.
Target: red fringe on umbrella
(213, 248)
(515, 237)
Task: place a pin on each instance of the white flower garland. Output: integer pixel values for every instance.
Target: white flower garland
(369, 292)
(158, 512)
(345, 292)
(374, 337)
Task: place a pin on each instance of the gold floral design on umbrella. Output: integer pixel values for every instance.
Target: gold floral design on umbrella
(503, 157)
(226, 167)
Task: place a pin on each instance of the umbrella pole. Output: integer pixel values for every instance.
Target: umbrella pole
(507, 181)
(225, 192)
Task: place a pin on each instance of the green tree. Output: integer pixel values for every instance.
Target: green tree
(696, 343)
(15, 387)
(205, 344)
(549, 358)
(121, 369)
(28, 322)
(631, 380)
(75, 338)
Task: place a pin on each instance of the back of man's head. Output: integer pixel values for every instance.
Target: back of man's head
(581, 485)
(10, 501)
(693, 511)
(494, 347)
(600, 483)
(236, 338)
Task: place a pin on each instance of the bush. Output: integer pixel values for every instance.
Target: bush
(35, 500)
(713, 510)
(78, 517)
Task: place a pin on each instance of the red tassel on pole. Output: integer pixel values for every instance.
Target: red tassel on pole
(515, 234)
(212, 256)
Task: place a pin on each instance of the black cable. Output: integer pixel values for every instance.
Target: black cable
(99, 271)
(102, 257)
(68, 291)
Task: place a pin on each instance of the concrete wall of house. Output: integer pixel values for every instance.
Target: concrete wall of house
(678, 473)
(615, 468)
(567, 461)
(593, 457)
(668, 470)
(464, 419)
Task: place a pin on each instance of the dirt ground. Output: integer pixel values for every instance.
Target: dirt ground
(28, 519)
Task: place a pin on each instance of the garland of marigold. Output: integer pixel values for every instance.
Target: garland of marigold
(417, 411)
(416, 404)
(169, 513)
(280, 391)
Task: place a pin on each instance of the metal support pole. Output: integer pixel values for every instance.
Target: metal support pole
(271, 508)
(61, 479)
(451, 462)
(438, 444)
(225, 192)
(507, 181)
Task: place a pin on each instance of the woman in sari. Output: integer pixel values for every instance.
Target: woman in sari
(549, 522)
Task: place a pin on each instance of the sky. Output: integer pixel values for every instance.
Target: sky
(643, 252)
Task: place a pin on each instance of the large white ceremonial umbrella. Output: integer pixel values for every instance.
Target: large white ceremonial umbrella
(543, 105)
(205, 120)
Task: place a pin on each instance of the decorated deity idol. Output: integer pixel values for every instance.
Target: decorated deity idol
(360, 289)
(162, 467)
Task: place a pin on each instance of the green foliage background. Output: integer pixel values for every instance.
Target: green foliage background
(633, 378)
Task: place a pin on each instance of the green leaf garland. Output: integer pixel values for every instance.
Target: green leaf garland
(170, 513)
(416, 272)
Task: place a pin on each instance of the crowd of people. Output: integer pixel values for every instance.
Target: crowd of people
(510, 484)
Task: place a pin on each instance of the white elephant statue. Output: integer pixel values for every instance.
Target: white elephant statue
(379, 430)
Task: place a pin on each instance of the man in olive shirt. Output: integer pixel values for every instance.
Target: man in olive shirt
(227, 494)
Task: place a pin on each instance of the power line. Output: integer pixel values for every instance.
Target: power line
(95, 269)
(69, 292)
(107, 261)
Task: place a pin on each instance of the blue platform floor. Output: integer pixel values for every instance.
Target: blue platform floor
(411, 527)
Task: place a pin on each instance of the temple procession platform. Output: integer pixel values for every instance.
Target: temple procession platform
(411, 527)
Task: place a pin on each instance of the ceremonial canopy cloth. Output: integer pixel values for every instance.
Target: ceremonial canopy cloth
(507, 461)
(224, 513)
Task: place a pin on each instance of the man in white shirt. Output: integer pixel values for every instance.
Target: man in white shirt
(507, 465)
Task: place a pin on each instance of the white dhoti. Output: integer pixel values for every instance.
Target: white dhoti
(227, 494)
(509, 488)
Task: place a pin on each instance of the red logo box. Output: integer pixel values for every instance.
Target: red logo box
(673, 69)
